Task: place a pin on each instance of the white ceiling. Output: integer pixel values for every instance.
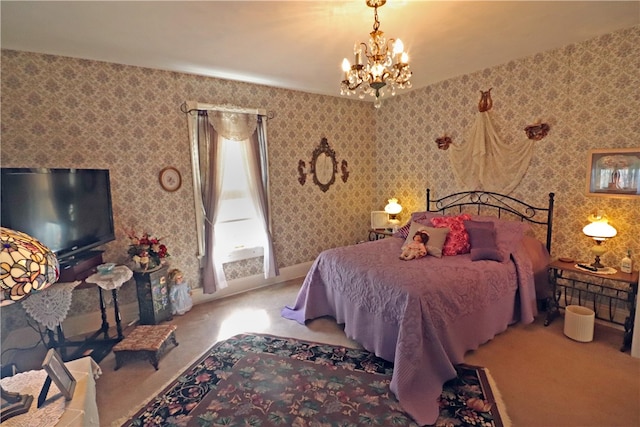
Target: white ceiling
(300, 44)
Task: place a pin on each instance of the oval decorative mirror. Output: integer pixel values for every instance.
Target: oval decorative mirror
(324, 165)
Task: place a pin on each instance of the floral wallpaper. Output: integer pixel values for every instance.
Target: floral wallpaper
(589, 94)
(67, 112)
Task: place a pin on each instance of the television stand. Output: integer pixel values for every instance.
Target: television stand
(80, 267)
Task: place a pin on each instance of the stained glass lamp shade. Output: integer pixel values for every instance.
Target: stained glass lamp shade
(26, 266)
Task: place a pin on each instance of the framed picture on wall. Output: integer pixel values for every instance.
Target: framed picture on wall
(614, 172)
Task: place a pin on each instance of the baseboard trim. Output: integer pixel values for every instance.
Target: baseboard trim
(250, 283)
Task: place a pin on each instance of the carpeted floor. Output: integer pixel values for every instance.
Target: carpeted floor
(264, 380)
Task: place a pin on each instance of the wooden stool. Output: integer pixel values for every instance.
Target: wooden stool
(147, 341)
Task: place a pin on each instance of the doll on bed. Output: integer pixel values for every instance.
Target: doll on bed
(417, 248)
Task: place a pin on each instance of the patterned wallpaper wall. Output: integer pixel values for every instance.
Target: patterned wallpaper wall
(65, 112)
(589, 93)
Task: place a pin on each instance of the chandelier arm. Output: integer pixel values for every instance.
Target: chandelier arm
(366, 50)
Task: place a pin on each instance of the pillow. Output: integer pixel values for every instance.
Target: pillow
(457, 241)
(482, 237)
(403, 231)
(481, 234)
(437, 236)
(419, 217)
(424, 217)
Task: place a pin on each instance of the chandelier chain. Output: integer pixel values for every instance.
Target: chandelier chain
(376, 23)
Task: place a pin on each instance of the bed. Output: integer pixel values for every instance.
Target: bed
(425, 314)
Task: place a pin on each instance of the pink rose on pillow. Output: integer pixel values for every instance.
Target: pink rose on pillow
(457, 241)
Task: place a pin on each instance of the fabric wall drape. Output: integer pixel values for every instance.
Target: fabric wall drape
(486, 163)
(205, 131)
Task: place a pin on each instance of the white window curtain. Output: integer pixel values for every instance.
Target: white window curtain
(209, 125)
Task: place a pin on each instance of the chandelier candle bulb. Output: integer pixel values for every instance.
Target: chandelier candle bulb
(398, 51)
(346, 67)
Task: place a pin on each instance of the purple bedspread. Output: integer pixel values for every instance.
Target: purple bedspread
(424, 314)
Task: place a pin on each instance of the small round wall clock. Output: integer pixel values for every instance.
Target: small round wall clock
(170, 179)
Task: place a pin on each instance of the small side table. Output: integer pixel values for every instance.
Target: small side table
(588, 286)
(379, 233)
(111, 281)
(82, 410)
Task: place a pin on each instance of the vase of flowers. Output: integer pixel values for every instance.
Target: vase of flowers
(146, 251)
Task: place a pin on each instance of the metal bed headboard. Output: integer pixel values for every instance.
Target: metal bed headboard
(500, 202)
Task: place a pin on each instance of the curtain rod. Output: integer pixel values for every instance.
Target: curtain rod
(189, 106)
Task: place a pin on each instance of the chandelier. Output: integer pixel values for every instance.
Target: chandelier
(386, 67)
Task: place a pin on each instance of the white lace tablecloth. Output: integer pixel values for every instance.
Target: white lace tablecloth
(50, 306)
(81, 411)
(119, 275)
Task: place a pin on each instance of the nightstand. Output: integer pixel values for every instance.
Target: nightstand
(602, 292)
(379, 233)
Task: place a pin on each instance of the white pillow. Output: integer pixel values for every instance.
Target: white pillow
(437, 236)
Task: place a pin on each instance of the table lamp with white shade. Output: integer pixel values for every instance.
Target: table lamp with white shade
(599, 230)
(393, 208)
(26, 266)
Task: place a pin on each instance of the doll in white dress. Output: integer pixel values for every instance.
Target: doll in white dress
(179, 293)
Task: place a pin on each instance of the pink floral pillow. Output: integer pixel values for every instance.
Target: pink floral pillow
(457, 241)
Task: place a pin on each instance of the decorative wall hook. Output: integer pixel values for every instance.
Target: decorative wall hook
(302, 175)
(486, 102)
(538, 131)
(443, 142)
(345, 172)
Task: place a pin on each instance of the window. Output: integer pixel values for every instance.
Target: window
(231, 188)
(240, 232)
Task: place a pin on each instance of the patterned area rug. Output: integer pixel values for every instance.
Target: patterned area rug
(262, 380)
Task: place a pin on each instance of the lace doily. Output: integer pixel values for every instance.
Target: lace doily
(55, 405)
(50, 306)
(119, 275)
(31, 383)
(605, 270)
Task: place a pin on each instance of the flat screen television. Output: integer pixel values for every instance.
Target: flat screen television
(68, 210)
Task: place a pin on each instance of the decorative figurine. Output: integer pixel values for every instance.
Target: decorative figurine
(486, 102)
(179, 293)
(444, 142)
(538, 131)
